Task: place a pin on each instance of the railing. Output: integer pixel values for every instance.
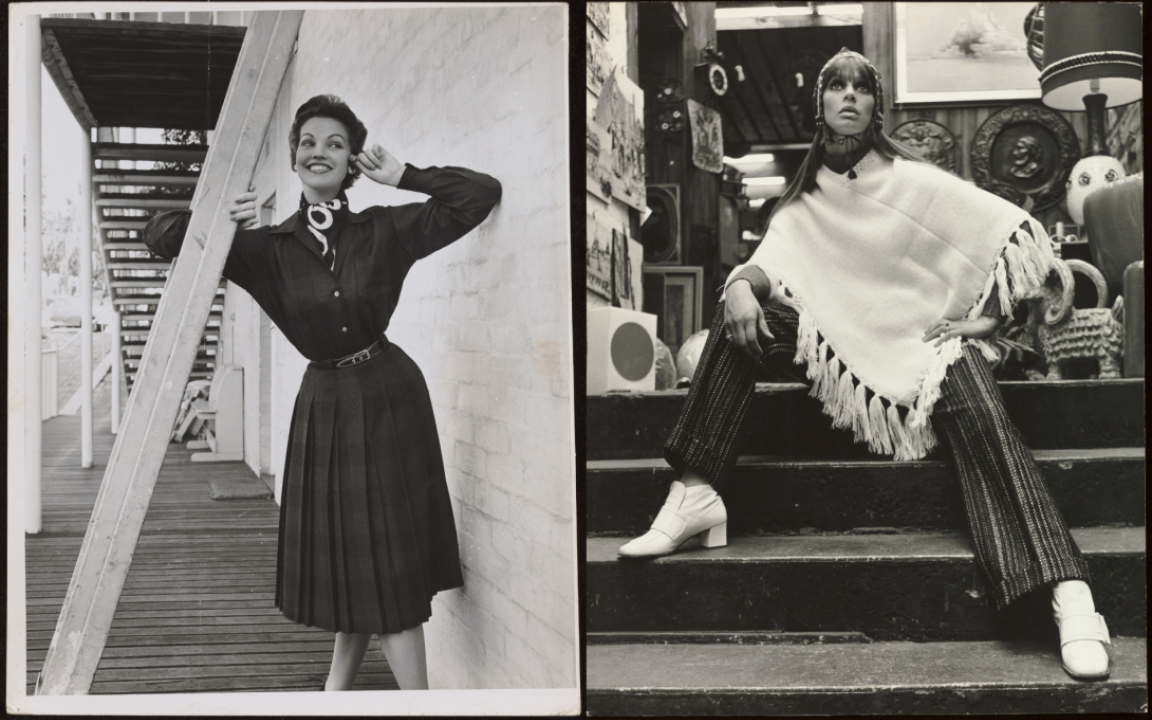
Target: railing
(49, 383)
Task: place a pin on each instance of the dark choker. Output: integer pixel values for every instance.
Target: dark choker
(841, 164)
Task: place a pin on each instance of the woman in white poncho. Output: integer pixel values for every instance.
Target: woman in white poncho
(880, 276)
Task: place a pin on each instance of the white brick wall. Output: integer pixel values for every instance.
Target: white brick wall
(488, 319)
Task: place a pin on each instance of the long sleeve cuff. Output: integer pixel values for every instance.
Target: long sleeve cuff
(761, 285)
(164, 233)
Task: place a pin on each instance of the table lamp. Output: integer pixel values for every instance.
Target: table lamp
(1092, 60)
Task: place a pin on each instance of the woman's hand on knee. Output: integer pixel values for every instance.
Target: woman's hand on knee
(243, 211)
(380, 165)
(744, 319)
(944, 329)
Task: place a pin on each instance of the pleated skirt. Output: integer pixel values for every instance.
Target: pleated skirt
(367, 535)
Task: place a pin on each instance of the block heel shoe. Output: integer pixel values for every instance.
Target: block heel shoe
(1084, 639)
(688, 512)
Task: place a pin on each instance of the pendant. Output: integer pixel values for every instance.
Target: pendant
(851, 174)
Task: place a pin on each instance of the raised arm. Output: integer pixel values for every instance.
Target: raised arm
(461, 200)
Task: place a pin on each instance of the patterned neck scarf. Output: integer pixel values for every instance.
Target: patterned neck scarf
(324, 222)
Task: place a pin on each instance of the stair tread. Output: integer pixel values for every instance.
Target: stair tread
(846, 667)
(768, 388)
(902, 546)
(777, 388)
(789, 460)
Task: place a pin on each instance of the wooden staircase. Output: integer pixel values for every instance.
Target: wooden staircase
(126, 199)
(849, 585)
(177, 334)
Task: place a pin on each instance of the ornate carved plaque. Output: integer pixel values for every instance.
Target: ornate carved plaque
(1028, 147)
(930, 141)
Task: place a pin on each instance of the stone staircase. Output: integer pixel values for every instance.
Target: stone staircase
(848, 585)
(125, 199)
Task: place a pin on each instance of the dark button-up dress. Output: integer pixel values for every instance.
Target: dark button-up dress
(367, 535)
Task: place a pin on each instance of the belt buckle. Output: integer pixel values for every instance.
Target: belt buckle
(355, 358)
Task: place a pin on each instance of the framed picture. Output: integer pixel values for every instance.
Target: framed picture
(598, 260)
(619, 123)
(673, 295)
(621, 270)
(963, 53)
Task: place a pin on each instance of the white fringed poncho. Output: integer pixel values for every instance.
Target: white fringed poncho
(871, 263)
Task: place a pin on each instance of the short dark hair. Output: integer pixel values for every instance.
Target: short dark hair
(330, 106)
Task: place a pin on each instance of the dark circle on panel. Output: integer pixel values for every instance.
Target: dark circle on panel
(632, 351)
(929, 141)
(1030, 148)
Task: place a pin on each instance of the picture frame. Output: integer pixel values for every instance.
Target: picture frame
(673, 294)
(977, 51)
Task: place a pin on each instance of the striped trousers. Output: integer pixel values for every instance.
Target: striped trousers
(1020, 539)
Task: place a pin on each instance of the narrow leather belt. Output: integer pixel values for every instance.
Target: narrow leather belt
(357, 357)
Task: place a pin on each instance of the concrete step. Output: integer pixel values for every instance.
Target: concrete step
(886, 678)
(904, 586)
(780, 493)
(784, 420)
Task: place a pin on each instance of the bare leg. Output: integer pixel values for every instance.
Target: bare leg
(405, 653)
(346, 659)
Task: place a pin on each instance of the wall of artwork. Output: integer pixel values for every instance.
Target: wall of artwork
(615, 161)
(962, 121)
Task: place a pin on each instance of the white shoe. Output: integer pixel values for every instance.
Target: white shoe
(1083, 634)
(688, 512)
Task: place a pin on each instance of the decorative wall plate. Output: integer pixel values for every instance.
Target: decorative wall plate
(1028, 147)
(929, 140)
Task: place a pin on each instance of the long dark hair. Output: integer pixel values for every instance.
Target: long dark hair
(332, 107)
(846, 66)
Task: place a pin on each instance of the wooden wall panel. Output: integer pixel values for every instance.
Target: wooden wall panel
(700, 197)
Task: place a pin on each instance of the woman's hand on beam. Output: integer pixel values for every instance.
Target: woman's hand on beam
(243, 211)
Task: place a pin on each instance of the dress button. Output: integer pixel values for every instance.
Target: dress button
(343, 329)
(337, 293)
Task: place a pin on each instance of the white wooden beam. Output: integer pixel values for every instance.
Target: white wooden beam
(32, 262)
(86, 299)
(122, 503)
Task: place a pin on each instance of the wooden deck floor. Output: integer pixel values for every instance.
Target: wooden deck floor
(197, 613)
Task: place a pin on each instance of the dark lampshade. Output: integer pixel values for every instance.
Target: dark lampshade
(1086, 41)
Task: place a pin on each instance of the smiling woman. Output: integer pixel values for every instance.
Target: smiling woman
(367, 534)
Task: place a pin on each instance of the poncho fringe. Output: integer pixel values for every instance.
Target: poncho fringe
(1024, 261)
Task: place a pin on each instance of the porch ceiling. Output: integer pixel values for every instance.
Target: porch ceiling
(770, 108)
(141, 74)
